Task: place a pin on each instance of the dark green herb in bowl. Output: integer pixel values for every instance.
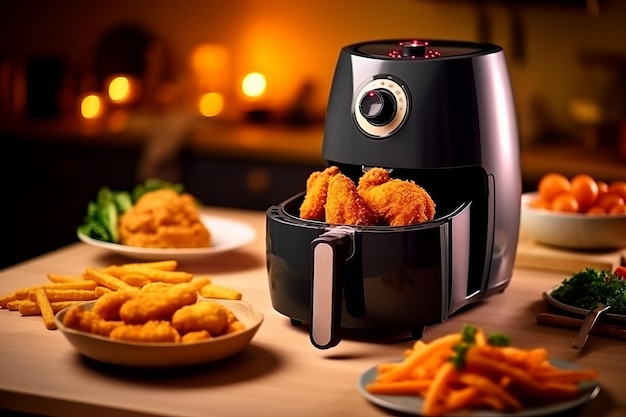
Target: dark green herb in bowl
(586, 288)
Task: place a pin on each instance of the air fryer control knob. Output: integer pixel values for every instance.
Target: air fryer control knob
(378, 106)
(381, 106)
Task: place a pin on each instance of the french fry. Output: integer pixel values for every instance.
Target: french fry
(82, 284)
(152, 274)
(14, 305)
(218, 291)
(7, 298)
(31, 308)
(136, 280)
(54, 295)
(200, 282)
(168, 265)
(62, 278)
(45, 308)
(107, 280)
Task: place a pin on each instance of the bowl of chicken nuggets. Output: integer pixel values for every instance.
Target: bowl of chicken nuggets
(154, 330)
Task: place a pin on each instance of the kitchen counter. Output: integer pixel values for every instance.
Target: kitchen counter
(280, 373)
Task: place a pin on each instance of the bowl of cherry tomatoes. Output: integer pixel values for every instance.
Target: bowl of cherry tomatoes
(580, 212)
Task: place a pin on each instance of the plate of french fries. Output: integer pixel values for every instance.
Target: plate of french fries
(144, 314)
(226, 235)
(470, 373)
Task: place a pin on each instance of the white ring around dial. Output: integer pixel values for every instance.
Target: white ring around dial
(402, 108)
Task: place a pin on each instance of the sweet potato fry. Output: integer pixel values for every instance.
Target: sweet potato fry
(418, 356)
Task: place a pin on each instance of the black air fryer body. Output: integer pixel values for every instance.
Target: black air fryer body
(439, 113)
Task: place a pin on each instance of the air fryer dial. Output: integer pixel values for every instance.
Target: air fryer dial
(380, 107)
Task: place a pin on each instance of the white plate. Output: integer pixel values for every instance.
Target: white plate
(411, 404)
(226, 235)
(165, 354)
(547, 295)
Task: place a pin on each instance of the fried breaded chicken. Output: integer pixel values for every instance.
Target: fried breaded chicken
(158, 305)
(344, 205)
(396, 202)
(152, 331)
(89, 321)
(204, 315)
(164, 219)
(108, 305)
(312, 207)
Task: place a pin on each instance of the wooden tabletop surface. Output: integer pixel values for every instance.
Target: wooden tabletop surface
(280, 373)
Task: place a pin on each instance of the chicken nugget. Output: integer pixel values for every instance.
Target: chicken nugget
(198, 336)
(157, 287)
(344, 205)
(312, 207)
(397, 202)
(151, 331)
(159, 305)
(109, 304)
(205, 315)
(88, 321)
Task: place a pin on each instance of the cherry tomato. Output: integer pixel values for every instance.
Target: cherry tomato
(565, 202)
(540, 203)
(603, 188)
(620, 272)
(619, 188)
(596, 210)
(553, 184)
(585, 189)
(609, 200)
(618, 209)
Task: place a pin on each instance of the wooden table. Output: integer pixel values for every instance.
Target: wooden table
(279, 374)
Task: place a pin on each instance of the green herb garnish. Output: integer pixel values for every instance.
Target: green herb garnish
(586, 288)
(468, 339)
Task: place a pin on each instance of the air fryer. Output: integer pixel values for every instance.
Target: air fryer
(439, 113)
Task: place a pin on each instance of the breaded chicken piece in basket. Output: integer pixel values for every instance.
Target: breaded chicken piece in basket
(312, 207)
(395, 201)
(344, 205)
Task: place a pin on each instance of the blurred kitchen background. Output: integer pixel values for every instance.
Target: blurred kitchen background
(97, 93)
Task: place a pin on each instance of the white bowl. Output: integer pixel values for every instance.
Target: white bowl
(156, 354)
(572, 230)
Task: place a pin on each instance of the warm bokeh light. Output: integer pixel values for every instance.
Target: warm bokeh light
(211, 104)
(91, 106)
(119, 89)
(210, 64)
(209, 58)
(253, 84)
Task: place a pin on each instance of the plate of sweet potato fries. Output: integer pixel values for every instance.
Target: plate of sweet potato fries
(470, 373)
